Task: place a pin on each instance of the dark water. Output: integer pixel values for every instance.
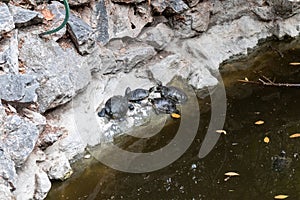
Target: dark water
(241, 150)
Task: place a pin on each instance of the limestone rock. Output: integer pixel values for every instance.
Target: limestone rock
(23, 17)
(169, 6)
(62, 74)
(49, 135)
(117, 21)
(8, 173)
(18, 88)
(81, 34)
(57, 166)
(128, 1)
(158, 36)
(36, 118)
(264, 13)
(6, 20)
(5, 192)
(9, 54)
(78, 2)
(19, 138)
(129, 55)
(32, 182)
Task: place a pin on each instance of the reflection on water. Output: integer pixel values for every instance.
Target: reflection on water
(241, 150)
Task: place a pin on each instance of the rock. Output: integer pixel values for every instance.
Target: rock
(158, 36)
(49, 135)
(62, 74)
(32, 182)
(283, 9)
(6, 20)
(193, 20)
(58, 10)
(129, 55)
(264, 13)
(5, 193)
(9, 54)
(18, 88)
(23, 17)
(7, 172)
(287, 27)
(169, 6)
(57, 165)
(128, 1)
(36, 118)
(78, 2)
(81, 34)
(18, 138)
(117, 21)
(192, 3)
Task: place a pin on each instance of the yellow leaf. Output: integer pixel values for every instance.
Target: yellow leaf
(47, 14)
(175, 115)
(295, 63)
(281, 196)
(266, 140)
(246, 79)
(231, 174)
(295, 135)
(221, 131)
(259, 122)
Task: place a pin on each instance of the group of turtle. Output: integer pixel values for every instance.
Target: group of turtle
(117, 106)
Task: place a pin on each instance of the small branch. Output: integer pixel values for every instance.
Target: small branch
(267, 82)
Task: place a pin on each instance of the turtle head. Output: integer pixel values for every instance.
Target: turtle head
(151, 100)
(102, 112)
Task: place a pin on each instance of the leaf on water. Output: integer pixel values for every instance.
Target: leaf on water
(246, 79)
(231, 174)
(295, 63)
(295, 135)
(281, 196)
(259, 122)
(266, 140)
(175, 115)
(47, 14)
(221, 131)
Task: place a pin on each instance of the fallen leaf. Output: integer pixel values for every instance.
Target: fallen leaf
(175, 115)
(259, 122)
(295, 135)
(246, 79)
(281, 196)
(47, 14)
(221, 131)
(266, 140)
(231, 174)
(295, 63)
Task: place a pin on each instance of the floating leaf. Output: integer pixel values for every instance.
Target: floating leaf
(221, 131)
(281, 196)
(175, 115)
(266, 140)
(295, 135)
(295, 63)
(47, 14)
(259, 122)
(231, 174)
(246, 79)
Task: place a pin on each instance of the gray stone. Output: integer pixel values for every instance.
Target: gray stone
(5, 193)
(264, 13)
(78, 2)
(23, 17)
(19, 138)
(192, 3)
(170, 6)
(289, 27)
(7, 171)
(62, 74)
(158, 36)
(129, 55)
(284, 9)
(36, 118)
(81, 34)
(18, 88)
(128, 1)
(49, 135)
(33, 182)
(6, 20)
(57, 9)
(9, 54)
(117, 21)
(57, 166)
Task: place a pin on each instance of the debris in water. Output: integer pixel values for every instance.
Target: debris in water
(295, 135)
(266, 139)
(281, 196)
(259, 122)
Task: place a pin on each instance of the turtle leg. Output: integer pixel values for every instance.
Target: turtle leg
(102, 113)
(130, 107)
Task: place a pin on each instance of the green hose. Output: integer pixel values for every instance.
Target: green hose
(67, 9)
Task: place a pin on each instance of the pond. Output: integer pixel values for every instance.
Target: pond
(244, 149)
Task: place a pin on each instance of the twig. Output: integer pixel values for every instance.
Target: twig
(267, 82)
(277, 51)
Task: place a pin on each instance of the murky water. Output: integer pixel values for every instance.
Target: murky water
(241, 150)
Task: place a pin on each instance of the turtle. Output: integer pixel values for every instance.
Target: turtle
(136, 95)
(171, 92)
(115, 107)
(280, 162)
(164, 105)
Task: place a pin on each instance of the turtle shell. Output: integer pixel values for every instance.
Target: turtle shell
(137, 94)
(116, 107)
